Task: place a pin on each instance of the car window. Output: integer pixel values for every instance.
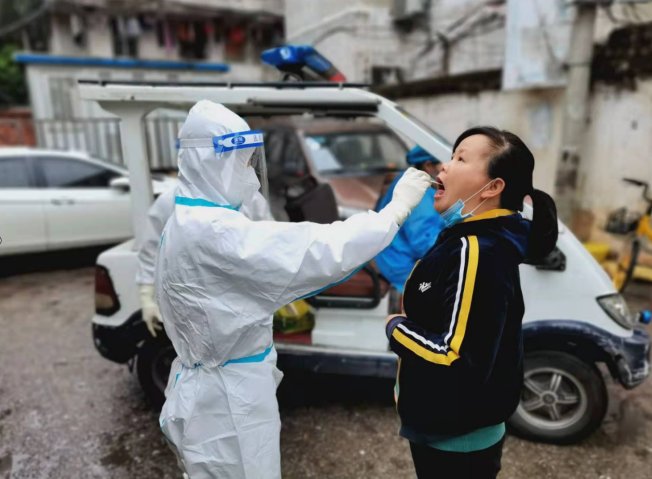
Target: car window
(71, 173)
(294, 164)
(391, 149)
(356, 152)
(14, 173)
(274, 141)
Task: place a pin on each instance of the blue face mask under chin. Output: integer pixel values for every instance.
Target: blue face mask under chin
(454, 215)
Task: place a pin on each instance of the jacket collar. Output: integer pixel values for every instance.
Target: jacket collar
(495, 213)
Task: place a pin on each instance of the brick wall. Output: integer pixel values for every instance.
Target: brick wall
(16, 127)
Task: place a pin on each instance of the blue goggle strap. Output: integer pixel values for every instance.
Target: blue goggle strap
(221, 144)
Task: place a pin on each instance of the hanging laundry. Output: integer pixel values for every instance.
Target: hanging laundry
(133, 29)
(77, 30)
(236, 39)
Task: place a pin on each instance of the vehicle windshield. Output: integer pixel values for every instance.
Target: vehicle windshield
(356, 152)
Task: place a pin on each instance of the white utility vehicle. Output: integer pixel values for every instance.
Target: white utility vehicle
(574, 318)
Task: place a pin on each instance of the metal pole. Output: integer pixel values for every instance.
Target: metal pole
(134, 153)
(160, 137)
(98, 144)
(109, 135)
(575, 111)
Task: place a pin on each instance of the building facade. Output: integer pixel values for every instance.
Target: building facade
(176, 41)
(460, 63)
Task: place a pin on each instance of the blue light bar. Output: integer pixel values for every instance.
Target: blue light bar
(294, 58)
(296, 55)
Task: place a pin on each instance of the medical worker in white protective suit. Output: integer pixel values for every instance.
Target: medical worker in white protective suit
(220, 277)
(158, 214)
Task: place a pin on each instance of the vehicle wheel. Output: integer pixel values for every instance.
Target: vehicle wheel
(153, 364)
(563, 399)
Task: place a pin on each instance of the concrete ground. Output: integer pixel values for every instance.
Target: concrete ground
(65, 412)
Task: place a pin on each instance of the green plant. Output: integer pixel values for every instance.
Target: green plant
(13, 90)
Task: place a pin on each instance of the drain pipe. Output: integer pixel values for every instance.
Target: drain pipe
(576, 103)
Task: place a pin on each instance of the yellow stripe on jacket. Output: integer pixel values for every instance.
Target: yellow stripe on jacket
(448, 357)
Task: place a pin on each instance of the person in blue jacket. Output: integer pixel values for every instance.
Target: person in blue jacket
(419, 231)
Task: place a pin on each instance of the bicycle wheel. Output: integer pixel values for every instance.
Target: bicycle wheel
(626, 266)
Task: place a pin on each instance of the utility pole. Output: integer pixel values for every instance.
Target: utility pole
(575, 109)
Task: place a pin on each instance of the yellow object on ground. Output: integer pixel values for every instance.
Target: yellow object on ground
(296, 317)
(643, 273)
(599, 251)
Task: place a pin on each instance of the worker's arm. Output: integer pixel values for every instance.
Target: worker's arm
(295, 260)
(157, 216)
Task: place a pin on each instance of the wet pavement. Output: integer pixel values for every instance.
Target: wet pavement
(65, 412)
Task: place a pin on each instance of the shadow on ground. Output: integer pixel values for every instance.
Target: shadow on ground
(49, 261)
(300, 389)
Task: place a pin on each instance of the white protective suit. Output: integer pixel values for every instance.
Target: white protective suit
(256, 209)
(220, 277)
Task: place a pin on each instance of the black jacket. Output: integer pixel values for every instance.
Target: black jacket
(459, 344)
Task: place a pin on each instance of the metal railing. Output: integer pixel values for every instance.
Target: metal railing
(161, 135)
(100, 138)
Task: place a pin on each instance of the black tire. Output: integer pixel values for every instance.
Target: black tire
(633, 260)
(563, 400)
(153, 363)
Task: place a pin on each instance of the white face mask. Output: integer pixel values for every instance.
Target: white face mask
(454, 215)
(247, 182)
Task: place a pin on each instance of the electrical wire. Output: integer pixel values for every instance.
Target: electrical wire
(26, 20)
(546, 37)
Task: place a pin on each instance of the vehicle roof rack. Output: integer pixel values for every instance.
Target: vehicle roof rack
(279, 84)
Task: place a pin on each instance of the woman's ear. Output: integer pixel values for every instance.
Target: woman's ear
(494, 190)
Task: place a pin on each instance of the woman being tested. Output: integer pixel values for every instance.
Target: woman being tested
(459, 340)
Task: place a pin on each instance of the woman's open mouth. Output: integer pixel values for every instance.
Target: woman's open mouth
(439, 186)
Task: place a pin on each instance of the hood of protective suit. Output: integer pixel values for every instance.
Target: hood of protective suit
(205, 173)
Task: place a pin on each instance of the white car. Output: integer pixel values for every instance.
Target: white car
(53, 200)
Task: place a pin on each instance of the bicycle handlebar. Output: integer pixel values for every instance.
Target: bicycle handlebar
(639, 183)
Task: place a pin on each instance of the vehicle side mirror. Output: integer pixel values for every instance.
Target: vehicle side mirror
(555, 261)
(120, 183)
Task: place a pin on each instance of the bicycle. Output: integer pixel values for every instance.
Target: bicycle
(640, 229)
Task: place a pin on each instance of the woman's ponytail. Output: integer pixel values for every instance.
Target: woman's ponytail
(544, 230)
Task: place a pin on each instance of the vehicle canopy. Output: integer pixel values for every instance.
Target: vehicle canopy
(132, 101)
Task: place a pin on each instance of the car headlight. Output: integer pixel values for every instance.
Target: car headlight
(616, 307)
(347, 211)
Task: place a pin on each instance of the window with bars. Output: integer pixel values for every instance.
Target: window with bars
(60, 95)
